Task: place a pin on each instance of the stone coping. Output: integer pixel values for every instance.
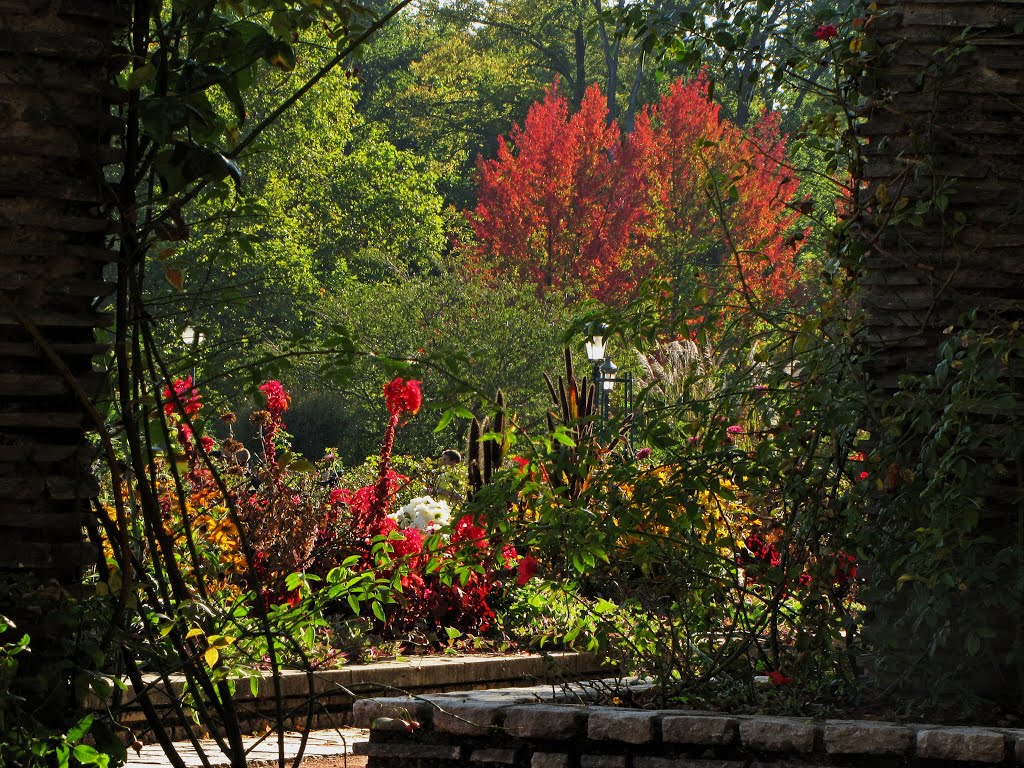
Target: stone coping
(519, 719)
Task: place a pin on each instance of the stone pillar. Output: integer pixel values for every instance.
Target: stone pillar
(56, 125)
(944, 229)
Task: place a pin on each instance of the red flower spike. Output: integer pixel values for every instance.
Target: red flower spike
(778, 678)
(403, 396)
(276, 397)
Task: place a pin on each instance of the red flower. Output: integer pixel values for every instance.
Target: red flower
(277, 398)
(761, 551)
(642, 454)
(526, 569)
(207, 443)
(519, 461)
(826, 31)
(467, 531)
(845, 570)
(185, 394)
(509, 556)
(778, 678)
(403, 396)
(411, 543)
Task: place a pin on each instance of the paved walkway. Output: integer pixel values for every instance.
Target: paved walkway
(320, 744)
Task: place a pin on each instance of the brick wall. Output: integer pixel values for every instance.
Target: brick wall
(527, 729)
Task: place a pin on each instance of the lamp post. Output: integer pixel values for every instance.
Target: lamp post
(192, 338)
(605, 372)
(594, 335)
(608, 371)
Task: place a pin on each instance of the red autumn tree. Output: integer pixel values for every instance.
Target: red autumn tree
(718, 199)
(688, 196)
(559, 206)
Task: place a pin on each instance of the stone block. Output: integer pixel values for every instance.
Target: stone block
(853, 737)
(407, 751)
(698, 730)
(494, 756)
(684, 762)
(602, 761)
(628, 725)
(777, 734)
(1018, 747)
(976, 744)
(465, 718)
(365, 711)
(544, 721)
(549, 760)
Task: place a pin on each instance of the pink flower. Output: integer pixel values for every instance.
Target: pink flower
(735, 429)
(277, 398)
(826, 31)
(643, 453)
(403, 396)
(526, 569)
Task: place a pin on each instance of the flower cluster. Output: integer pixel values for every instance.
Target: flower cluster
(826, 32)
(424, 514)
(276, 397)
(759, 552)
(403, 396)
(185, 395)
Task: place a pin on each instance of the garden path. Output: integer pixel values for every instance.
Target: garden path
(324, 749)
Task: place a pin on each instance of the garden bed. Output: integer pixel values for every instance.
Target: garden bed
(539, 728)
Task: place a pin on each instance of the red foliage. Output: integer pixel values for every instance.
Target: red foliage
(560, 209)
(719, 197)
(573, 206)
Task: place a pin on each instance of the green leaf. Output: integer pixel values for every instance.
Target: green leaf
(281, 55)
(378, 611)
(79, 729)
(725, 38)
(87, 755)
(140, 76)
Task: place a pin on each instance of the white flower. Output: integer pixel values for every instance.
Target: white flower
(423, 513)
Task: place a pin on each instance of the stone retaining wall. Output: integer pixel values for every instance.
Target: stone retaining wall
(324, 699)
(532, 728)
